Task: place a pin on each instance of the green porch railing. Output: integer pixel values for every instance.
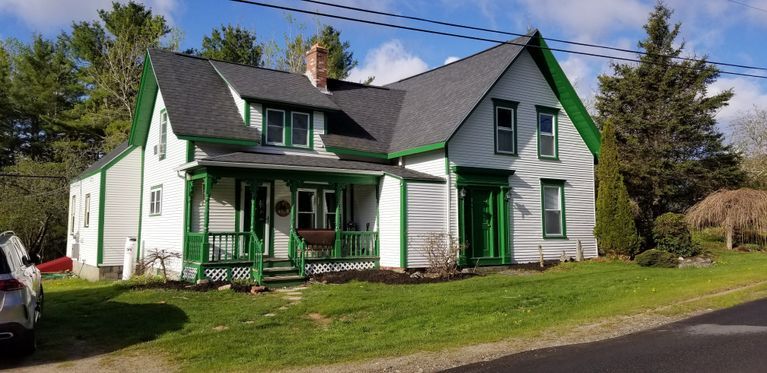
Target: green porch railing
(359, 244)
(194, 244)
(221, 247)
(297, 252)
(257, 255)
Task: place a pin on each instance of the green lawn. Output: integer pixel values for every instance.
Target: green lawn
(227, 331)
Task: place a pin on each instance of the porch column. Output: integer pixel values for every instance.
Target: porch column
(189, 185)
(338, 228)
(293, 185)
(208, 183)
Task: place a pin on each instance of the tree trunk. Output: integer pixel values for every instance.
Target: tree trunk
(728, 237)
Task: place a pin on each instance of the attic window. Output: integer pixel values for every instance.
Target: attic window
(548, 144)
(505, 126)
(300, 129)
(163, 142)
(285, 127)
(275, 127)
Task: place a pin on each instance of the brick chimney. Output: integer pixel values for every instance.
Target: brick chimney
(317, 67)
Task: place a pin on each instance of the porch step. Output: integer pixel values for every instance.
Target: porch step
(275, 271)
(270, 262)
(283, 281)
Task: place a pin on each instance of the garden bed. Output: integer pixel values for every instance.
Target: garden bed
(185, 286)
(384, 277)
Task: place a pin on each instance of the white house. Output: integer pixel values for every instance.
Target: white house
(248, 172)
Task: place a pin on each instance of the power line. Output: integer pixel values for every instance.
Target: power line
(477, 38)
(748, 5)
(33, 176)
(590, 45)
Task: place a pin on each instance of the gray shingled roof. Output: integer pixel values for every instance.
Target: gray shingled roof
(104, 160)
(438, 100)
(198, 101)
(278, 160)
(273, 85)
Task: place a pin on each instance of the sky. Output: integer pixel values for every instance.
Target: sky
(724, 30)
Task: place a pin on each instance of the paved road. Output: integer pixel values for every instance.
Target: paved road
(730, 340)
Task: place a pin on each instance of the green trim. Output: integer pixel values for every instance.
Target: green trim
(403, 224)
(554, 126)
(566, 94)
(247, 113)
(141, 208)
(190, 147)
(287, 126)
(162, 143)
(358, 153)
(102, 203)
(271, 219)
(419, 149)
(162, 196)
(287, 175)
(107, 165)
(561, 185)
(393, 155)
(509, 105)
(218, 140)
(475, 176)
(237, 209)
(187, 218)
(147, 94)
(501, 226)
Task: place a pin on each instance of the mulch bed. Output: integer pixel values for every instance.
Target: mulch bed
(186, 286)
(383, 277)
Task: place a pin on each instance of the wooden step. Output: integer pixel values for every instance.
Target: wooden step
(283, 281)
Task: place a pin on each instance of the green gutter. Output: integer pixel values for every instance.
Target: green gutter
(140, 208)
(358, 153)
(420, 149)
(102, 200)
(403, 224)
(107, 165)
(393, 155)
(219, 140)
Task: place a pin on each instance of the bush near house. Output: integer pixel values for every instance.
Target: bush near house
(672, 234)
(657, 258)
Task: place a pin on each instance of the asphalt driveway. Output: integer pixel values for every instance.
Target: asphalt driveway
(729, 340)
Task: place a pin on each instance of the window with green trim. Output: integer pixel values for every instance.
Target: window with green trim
(275, 127)
(505, 114)
(552, 206)
(329, 208)
(548, 143)
(163, 141)
(299, 127)
(155, 200)
(87, 211)
(306, 216)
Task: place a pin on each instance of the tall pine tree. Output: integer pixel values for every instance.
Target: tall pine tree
(671, 154)
(615, 229)
(231, 43)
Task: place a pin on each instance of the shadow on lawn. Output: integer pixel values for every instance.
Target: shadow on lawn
(78, 324)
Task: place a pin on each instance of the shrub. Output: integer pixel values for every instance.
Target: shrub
(672, 234)
(657, 258)
(441, 251)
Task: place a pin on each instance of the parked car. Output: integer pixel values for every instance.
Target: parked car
(21, 295)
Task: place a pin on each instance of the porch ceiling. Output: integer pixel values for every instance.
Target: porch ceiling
(310, 163)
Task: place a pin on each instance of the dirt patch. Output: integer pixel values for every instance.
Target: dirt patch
(383, 277)
(185, 286)
(132, 362)
(319, 319)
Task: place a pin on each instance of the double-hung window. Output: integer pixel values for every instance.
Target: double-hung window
(87, 211)
(505, 126)
(299, 129)
(548, 145)
(329, 203)
(155, 200)
(275, 127)
(553, 206)
(306, 208)
(163, 141)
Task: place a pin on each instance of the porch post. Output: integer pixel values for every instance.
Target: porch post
(293, 185)
(189, 185)
(207, 186)
(253, 186)
(337, 246)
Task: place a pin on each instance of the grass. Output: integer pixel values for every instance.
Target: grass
(222, 330)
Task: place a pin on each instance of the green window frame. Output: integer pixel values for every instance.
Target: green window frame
(547, 140)
(155, 200)
(553, 214)
(292, 132)
(302, 209)
(503, 111)
(329, 209)
(87, 211)
(162, 143)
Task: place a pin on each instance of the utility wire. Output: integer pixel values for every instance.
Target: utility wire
(748, 5)
(590, 45)
(478, 38)
(33, 176)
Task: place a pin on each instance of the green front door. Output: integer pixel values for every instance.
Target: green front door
(260, 211)
(480, 223)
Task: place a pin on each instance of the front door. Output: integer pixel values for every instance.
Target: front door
(480, 223)
(262, 206)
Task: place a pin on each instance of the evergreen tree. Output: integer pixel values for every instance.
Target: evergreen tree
(671, 154)
(615, 229)
(110, 53)
(6, 131)
(232, 44)
(340, 58)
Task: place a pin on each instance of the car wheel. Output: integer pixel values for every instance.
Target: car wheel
(28, 343)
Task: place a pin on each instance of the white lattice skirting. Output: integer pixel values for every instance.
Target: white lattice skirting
(219, 274)
(189, 273)
(316, 268)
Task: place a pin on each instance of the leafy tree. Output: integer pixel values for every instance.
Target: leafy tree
(671, 154)
(233, 44)
(6, 130)
(615, 228)
(749, 133)
(110, 53)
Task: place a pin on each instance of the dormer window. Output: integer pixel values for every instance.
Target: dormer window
(284, 127)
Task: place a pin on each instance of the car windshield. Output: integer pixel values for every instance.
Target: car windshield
(4, 267)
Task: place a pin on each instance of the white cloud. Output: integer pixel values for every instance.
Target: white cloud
(451, 59)
(51, 15)
(388, 63)
(588, 19)
(747, 95)
(581, 75)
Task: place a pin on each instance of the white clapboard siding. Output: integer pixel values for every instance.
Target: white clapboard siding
(74, 209)
(389, 230)
(222, 206)
(238, 101)
(365, 206)
(426, 218)
(87, 236)
(433, 163)
(473, 146)
(121, 207)
(164, 231)
(281, 223)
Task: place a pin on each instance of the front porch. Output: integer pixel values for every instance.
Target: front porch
(287, 224)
